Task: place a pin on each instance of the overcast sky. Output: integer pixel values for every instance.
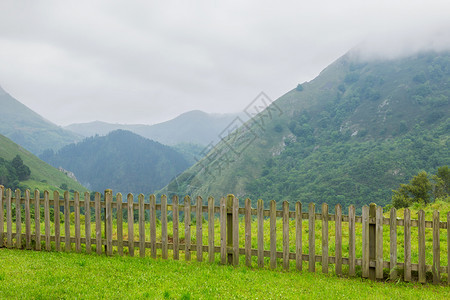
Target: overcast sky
(136, 62)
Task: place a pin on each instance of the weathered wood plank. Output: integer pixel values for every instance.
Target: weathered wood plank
(298, 236)
(199, 228)
(235, 214)
(9, 242)
(223, 230)
(365, 241)
(153, 226)
(187, 228)
(77, 222)
(421, 238)
(119, 202)
(338, 239)
(141, 226)
(57, 209)
(67, 243)
(164, 237)
(324, 238)
(351, 241)
(260, 217)
(436, 269)
(407, 244)
(87, 221)
(98, 223)
(18, 220)
(286, 235)
(448, 248)
(2, 216)
(379, 243)
(48, 246)
(27, 221)
(393, 274)
(312, 237)
(37, 219)
(211, 255)
(175, 223)
(108, 222)
(273, 235)
(230, 228)
(130, 211)
(372, 239)
(248, 232)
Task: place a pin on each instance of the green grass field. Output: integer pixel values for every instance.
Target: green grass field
(55, 275)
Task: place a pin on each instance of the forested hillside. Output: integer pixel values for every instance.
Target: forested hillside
(122, 161)
(351, 135)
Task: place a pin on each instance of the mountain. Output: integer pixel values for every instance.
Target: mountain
(349, 136)
(28, 129)
(42, 176)
(194, 127)
(122, 161)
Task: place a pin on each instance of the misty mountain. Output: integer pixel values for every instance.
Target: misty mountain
(30, 130)
(122, 161)
(193, 127)
(349, 136)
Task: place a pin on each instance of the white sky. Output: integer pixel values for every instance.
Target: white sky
(141, 62)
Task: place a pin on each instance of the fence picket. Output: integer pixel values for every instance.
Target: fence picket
(67, 244)
(119, 224)
(141, 226)
(27, 221)
(199, 228)
(407, 244)
(379, 243)
(365, 241)
(260, 212)
(2, 218)
(286, 235)
(175, 221)
(98, 223)
(37, 219)
(9, 219)
(448, 247)
(153, 226)
(108, 222)
(211, 256)
(187, 228)
(273, 234)
(235, 214)
(421, 238)
(393, 274)
(18, 220)
(223, 230)
(351, 240)
(57, 209)
(248, 233)
(338, 239)
(130, 211)
(164, 246)
(324, 238)
(48, 246)
(312, 237)
(77, 221)
(436, 249)
(298, 236)
(87, 220)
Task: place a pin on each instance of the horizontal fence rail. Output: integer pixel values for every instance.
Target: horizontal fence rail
(109, 236)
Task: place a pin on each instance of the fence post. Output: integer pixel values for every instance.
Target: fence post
(108, 221)
(229, 228)
(372, 239)
(2, 220)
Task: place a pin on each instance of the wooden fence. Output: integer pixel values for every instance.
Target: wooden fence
(372, 219)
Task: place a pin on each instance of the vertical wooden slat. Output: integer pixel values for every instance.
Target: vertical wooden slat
(175, 221)
(87, 221)
(393, 274)
(119, 202)
(421, 237)
(48, 246)
(324, 238)
(27, 221)
(230, 229)
(9, 242)
(37, 219)
(211, 255)
(379, 243)
(372, 239)
(338, 238)
(77, 222)
(273, 234)
(130, 212)
(407, 244)
(199, 228)
(260, 217)
(108, 222)
(286, 235)
(248, 232)
(165, 247)
(436, 249)
(57, 209)
(187, 228)
(98, 223)
(67, 221)
(298, 236)
(365, 241)
(235, 231)
(153, 226)
(448, 248)
(351, 240)
(312, 237)
(141, 226)
(223, 230)
(18, 220)
(2, 218)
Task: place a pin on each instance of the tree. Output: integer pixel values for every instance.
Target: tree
(441, 186)
(418, 190)
(299, 88)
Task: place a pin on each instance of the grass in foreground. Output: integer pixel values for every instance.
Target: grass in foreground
(42, 275)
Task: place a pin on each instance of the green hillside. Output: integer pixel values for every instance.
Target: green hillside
(43, 176)
(30, 130)
(122, 161)
(351, 135)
